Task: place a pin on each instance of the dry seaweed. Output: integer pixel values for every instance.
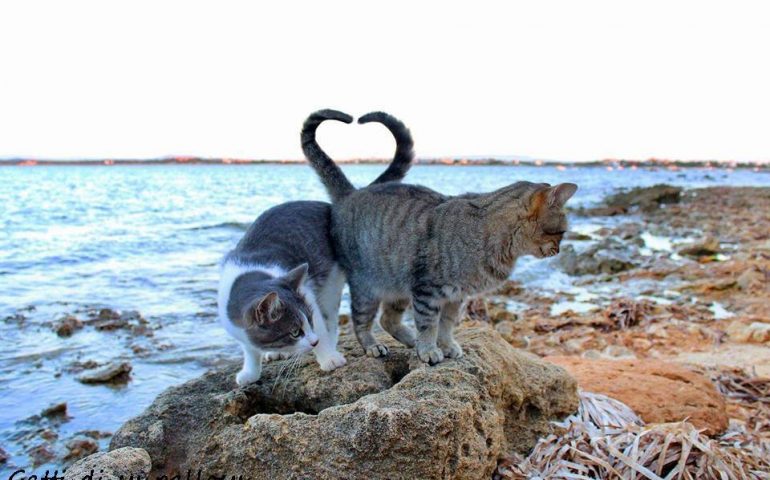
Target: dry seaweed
(606, 440)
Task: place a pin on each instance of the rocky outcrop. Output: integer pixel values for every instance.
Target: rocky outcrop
(119, 464)
(374, 418)
(645, 198)
(608, 256)
(657, 391)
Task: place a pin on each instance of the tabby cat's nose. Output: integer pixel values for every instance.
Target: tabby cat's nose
(314, 343)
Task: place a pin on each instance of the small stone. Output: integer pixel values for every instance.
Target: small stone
(41, 454)
(751, 280)
(79, 448)
(657, 330)
(108, 314)
(506, 329)
(709, 246)
(618, 351)
(641, 344)
(56, 410)
(66, 326)
(112, 372)
(49, 435)
(754, 332)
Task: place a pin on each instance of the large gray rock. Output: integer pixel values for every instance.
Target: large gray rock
(118, 464)
(645, 198)
(374, 418)
(607, 256)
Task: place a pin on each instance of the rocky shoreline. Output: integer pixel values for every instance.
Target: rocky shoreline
(671, 295)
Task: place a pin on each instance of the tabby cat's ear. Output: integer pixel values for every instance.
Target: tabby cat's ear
(296, 276)
(266, 310)
(558, 195)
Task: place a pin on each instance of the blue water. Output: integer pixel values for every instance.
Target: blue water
(148, 238)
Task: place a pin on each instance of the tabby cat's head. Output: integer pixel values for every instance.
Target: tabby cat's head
(280, 320)
(547, 221)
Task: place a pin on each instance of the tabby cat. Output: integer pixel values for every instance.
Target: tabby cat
(406, 244)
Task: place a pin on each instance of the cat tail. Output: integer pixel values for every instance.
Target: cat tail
(336, 183)
(402, 160)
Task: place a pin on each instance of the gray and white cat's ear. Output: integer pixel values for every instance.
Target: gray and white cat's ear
(296, 276)
(559, 194)
(266, 311)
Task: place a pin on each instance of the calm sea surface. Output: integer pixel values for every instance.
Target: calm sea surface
(149, 239)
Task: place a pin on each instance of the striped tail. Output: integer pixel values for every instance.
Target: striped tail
(402, 160)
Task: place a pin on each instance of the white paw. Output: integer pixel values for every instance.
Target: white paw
(430, 354)
(376, 350)
(331, 361)
(271, 356)
(246, 377)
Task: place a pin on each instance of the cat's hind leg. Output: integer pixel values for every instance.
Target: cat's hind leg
(391, 322)
(450, 318)
(364, 307)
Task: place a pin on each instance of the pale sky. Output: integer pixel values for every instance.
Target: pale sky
(564, 80)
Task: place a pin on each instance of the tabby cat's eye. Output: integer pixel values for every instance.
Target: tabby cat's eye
(296, 333)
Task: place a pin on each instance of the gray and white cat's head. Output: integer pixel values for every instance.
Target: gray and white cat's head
(272, 312)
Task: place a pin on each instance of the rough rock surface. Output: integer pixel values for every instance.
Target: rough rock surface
(657, 391)
(374, 418)
(119, 464)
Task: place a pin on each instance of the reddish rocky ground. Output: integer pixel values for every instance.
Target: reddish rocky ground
(683, 279)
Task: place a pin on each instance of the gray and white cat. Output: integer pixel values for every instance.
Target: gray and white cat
(280, 288)
(400, 244)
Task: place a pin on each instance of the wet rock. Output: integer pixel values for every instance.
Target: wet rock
(369, 419)
(709, 246)
(77, 366)
(66, 326)
(95, 434)
(608, 256)
(108, 314)
(646, 199)
(119, 464)
(78, 448)
(657, 391)
(749, 332)
(3, 456)
(575, 236)
(113, 372)
(40, 454)
(56, 410)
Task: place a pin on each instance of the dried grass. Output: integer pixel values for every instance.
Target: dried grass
(741, 386)
(606, 440)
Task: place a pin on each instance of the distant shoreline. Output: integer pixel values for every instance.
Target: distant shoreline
(608, 163)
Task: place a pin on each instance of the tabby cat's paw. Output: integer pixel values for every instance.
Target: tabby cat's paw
(331, 361)
(246, 377)
(430, 354)
(376, 350)
(452, 350)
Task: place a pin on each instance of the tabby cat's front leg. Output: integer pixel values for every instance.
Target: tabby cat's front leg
(427, 311)
(450, 318)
